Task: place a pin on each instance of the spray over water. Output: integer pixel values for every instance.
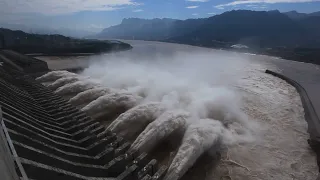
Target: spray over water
(198, 138)
(162, 97)
(203, 96)
(108, 104)
(63, 81)
(162, 127)
(76, 87)
(90, 95)
(190, 87)
(134, 121)
(54, 75)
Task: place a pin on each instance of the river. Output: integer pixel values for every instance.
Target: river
(277, 147)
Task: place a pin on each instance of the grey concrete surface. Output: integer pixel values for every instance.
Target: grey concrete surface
(7, 169)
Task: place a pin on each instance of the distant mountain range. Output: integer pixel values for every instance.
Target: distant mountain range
(55, 44)
(255, 29)
(290, 35)
(297, 15)
(154, 29)
(33, 29)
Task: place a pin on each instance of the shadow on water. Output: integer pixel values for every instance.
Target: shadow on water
(200, 169)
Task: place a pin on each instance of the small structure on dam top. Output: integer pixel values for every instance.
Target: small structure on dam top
(44, 137)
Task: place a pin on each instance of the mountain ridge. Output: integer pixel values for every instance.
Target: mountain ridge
(265, 28)
(56, 44)
(253, 28)
(289, 35)
(298, 15)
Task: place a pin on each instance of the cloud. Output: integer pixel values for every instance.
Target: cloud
(240, 2)
(96, 26)
(211, 13)
(251, 5)
(192, 7)
(137, 10)
(197, 0)
(195, 14)
(219, 7)
(61, 6)
(256, 6)
(16, 18)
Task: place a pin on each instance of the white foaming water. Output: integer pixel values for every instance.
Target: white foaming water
(192, 86)
(63, 81)
(109, 103)
(54, 75)
(90, 95)
(168, 123)
(136, 119)
(199, 83)
(77, 87)
(200, 86)
(199, 137)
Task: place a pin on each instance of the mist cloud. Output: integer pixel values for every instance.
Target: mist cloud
(240, 2)
(192, 7)
(61, 7)
(197, 0)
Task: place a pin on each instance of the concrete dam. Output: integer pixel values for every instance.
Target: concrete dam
(44, 137)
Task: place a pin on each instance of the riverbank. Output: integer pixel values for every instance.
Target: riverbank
(56, 45)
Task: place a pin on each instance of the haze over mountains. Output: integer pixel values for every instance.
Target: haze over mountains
(55, 44)
(256, 29)
(290, 35)
(297, 15)
(33, 29)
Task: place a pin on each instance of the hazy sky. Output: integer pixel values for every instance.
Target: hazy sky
(94, 15)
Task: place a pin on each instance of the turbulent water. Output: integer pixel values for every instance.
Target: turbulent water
(209, 102)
